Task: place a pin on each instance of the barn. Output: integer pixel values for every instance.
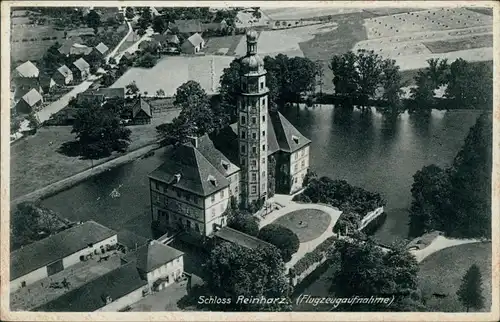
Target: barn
(51, 255)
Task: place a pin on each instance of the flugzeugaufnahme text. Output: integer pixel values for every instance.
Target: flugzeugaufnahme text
(336, 301)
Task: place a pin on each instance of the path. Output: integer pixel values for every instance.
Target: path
(439, 243)
(79, 177)
(113, 53)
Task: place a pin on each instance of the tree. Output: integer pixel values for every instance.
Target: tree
(15, 123)
(369, 67)
(431, 200)
(366, 270)
(146, 18)
(283, 238)
(160, 92)
(34, 123)
(129, 13)
(243, 222)
(99, 132)
(470, 291)
(146, 60)
(470, 86)
(159, 24)
(230, 88)
(112, 61)
(141, 31)
(132, 88)
(93, 20)
(53, 59)
(345, 76)
(391, 83)
(233, 271)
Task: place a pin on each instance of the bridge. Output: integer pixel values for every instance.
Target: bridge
(371, 216)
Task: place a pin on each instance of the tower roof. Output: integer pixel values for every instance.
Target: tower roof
(252, 63)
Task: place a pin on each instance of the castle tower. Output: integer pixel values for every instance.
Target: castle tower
(252, 124)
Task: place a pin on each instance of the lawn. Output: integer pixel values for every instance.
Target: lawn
(445, 46)
(442, 272)
(222, 45)
(308, 224)
(35, 163)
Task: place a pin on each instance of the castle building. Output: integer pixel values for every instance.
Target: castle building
(249, 161)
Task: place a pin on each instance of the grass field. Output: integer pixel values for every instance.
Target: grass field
(35, 163)
(442, 272)
(446, 46)
(222, 45)
(305, 13)
(31, 42)
(315, 221)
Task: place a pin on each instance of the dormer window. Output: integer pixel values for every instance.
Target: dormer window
(177, 177)
(225, 165)
(212, 180)
(295, 139)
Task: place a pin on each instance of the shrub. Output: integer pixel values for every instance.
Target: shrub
(244, 222)
(281, 237)
(313, 257)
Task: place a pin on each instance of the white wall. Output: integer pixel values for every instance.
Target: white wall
(29, 278)
(122, 302)
(171, 269)
(299, 163)
(75, 258)
(214, 210)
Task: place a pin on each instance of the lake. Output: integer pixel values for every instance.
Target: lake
(363, 152)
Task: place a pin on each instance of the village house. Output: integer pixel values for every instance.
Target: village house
(57, 252)
(24, 85)
(141, 112)
(193, 44)
(187, 27)
(67, 44)
(169, 43)
(190, 192)
(101, 95)
(26, 70)
(29, 102)
(158, 264)
(63, 76)
(80, 69)
(100, 50)
(79, 50)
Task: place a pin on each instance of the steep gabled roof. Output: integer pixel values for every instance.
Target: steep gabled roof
(216, 157)
(288, 137)
(68, 43)
(81, 64)
(188, 26)
(92, 296)
(27, 69)
(102, 48)
(272, 142)
(155, 254)
(32, 97)
(195, 40)
(141, 105)
(194, 169)
(64, 70)
(79, 49)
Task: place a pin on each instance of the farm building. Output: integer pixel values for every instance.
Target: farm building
(67, 44)
(51, 255)
(141, 112)
(26, 69)
(63, 75)
(193, 44)
(101, 49)
(166, 41)
(110, 292)
(101, 95)
(158, 264)
(80, 69)
(29, 101)
(130, 241)
(79, 50)
(24, 85)
(187, 27)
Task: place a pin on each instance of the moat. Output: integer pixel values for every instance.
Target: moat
(364, 152)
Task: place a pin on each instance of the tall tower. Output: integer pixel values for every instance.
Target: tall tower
(252, 124)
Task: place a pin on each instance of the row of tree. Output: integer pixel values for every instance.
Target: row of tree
(457, 199)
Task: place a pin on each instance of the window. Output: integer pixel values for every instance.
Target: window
(254, 120)
(263, 118)
(213, 198)
(223, 221)
(195, 199)
(263, 174)
(243, 120)
(254, 136)
(23, 284)
(254, 149)
(261, 85)
(254, 163)
(254, 176)
(221, 208)
(263, 101)
(302, 152)
(178, 259)
(254, 189)
(263, 187)
(243, 149)
(188, 197)
(263, 133)
(236, 189)
(243, 162)
(302, 164)
(188, 223)
(178, 193)
(213, 212)
(263, 147)
(295, 180)
(263, 160)
(295, 167)
(157, 186)
(243, 134)
(197, 227)
(222, 194)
